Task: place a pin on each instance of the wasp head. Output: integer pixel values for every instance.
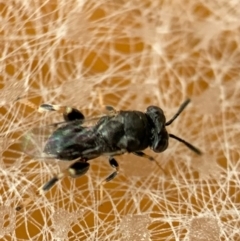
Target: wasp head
(159, 135)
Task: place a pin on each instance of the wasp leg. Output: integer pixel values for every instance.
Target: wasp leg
(110, 110)
(114, 164)
(77, 169)
(43, 189)
(69, 113)
(142, 154)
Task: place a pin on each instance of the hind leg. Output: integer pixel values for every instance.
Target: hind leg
(75, 170)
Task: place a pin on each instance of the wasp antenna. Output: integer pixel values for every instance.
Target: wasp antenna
(190, 146)
(181, 108)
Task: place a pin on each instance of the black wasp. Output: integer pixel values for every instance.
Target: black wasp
(116, 133)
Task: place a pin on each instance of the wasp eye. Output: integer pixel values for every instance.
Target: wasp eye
(154, 110)
(157, 116)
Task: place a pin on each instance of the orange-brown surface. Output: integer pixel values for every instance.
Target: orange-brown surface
(128, 54)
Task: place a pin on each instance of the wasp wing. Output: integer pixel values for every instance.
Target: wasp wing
(59, 139)
(39, 141)
(34, 141)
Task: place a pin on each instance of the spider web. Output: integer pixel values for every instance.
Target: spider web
(128, 54)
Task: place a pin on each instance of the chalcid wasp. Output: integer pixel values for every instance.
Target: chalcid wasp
(116, 133)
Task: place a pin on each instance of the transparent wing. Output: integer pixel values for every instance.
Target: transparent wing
(35, 140)
(48, 141)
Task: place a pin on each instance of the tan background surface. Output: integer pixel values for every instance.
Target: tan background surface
(132, 54)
